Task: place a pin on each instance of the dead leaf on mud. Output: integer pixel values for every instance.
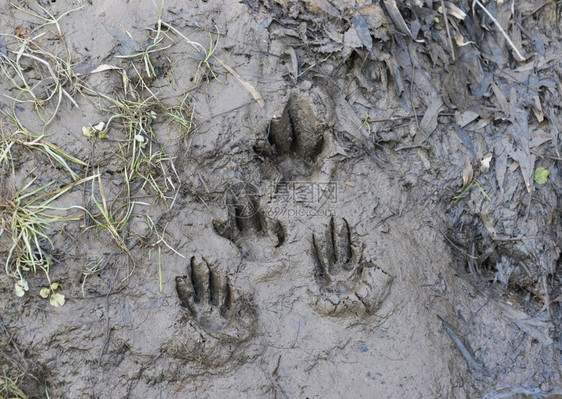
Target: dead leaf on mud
(467, 172)
(533, 327)
(461, 41)
(537, 109)
(516, 53)
(539, 137)
(294, 63)
(464, 138)
(454, 11)
(527, 164)
(325, 6)
(501, 99)
(464, 118)
(351, 41)
(128, 45)
(86, 69)
(485, 163)
(375, 19)
(362, 30)
(398, 20)
(429, 121)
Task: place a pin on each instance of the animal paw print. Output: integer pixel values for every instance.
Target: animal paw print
(296, 137)
(221, 319)
(347, 284)
(246, 219)
(206, 294)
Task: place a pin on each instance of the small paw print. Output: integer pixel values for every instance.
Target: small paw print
(247, 221)
(347, 284)
(219, 322)
(210, 298)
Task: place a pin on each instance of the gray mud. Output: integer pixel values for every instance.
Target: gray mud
(318, 251)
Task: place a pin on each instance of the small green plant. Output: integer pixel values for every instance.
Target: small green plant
(140, 150)
(366, 124)
(112, 221)
(90, 269)
(10, 388)
(155, 45)
(59, 76)
(541, 175)
(204, 53)
(56, 299)
(458, 197)
(47, 20)
(27, 217)
(183, 116)
(23, 137)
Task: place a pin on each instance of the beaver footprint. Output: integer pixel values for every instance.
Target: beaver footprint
(347, 284)
(210, 298)
(296, 137)
(246, 219)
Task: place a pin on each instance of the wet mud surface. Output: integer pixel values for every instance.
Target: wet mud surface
(312, 236)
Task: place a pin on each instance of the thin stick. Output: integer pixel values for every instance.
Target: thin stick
(246, 85)
(448, 30)
(521, 58)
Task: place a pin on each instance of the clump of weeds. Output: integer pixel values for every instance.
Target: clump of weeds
(53, 78)
(28, 213)
(41, 79)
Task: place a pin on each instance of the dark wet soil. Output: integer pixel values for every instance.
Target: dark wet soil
(354, 214)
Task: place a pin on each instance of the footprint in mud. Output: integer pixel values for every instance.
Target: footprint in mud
(221, 318)
(296, 136)
(206, 294)
(247, 225)
(347, 284)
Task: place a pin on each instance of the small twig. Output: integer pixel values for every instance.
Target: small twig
(409, 147)
(457, 247)
(257, 96)
(448, 30)
(519, 55)
(463, 348)
(547, 2)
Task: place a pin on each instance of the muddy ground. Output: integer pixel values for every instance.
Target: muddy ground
(352, 213)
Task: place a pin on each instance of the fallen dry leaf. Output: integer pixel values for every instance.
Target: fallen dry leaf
(455, 11)
(397, 18)
(467, 172)
(485, 163)
(537, 109)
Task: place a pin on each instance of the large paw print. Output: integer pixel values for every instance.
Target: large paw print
(347, 284)
(296, 137)
(221, 319)
(247, 225)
